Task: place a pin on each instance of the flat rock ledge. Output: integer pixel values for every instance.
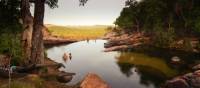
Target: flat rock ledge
(57, 40)
(93, 81)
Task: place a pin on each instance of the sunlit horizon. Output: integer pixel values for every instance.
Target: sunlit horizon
(78, 23)
(95, 12)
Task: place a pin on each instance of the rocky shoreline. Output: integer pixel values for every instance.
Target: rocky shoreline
(136, 41)
(115, 43)
(57, 41)
(190, 80)
(54, 78)
(91, 80)
(122, 42)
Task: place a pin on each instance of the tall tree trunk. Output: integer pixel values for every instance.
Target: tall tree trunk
(27, 23)
(37, 54)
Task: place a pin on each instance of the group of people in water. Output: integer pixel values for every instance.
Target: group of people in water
(68, 56)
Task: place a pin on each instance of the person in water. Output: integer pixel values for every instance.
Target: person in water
(87, 40)
(67, 56)
(70, 56)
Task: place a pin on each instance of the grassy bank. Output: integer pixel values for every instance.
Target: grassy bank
(77, 32)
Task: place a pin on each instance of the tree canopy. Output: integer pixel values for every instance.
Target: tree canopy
(150, 15)
(9, 14)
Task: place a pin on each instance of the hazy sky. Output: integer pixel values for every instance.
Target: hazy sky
(94, 12)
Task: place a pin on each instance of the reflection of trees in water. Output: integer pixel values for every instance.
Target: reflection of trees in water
(125, 68)
(152, 70)
(145, 60)
(167, 54)
(149, 74)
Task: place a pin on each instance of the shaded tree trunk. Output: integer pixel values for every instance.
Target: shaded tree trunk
(27, 23)
(37, 53)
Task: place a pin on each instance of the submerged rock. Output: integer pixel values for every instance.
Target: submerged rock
(64, 79)
(175, 60)
(93, 81)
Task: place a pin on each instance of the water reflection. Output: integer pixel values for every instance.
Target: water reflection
(126, 68)
(152, 70)
(119, 69)
(139, 60)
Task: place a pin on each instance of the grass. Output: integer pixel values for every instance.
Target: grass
(77, 32)
(18, 84)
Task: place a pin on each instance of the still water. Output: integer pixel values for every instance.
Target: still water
(118, 69)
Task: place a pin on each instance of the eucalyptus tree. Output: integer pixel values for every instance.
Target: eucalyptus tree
(27, 23)
(37, 52)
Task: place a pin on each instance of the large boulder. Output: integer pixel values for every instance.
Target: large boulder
(195, 80)
(93, 81)
(65, 77)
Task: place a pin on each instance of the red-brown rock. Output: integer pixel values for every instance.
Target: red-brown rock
(93, 81)
(177, 83)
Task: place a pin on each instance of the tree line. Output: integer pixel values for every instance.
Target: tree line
(181, 16)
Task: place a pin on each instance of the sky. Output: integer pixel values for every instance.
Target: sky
(95, 12)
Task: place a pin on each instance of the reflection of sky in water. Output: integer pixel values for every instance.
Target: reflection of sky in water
(89, 57)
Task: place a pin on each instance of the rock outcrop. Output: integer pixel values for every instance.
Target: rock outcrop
(190, 80)
(140, 39)
(93, 81)
(124, 41)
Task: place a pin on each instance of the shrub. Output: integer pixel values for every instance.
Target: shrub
(164, 39)
(10, 43)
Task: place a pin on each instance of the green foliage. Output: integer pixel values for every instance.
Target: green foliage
(9, 12)
(164, 20)
(82, 2)
(10, 43)
(197, 25)
(182, 15)
(10, 29)
(52, 3)
(164, 39)
(125, 20)
(187, 45)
